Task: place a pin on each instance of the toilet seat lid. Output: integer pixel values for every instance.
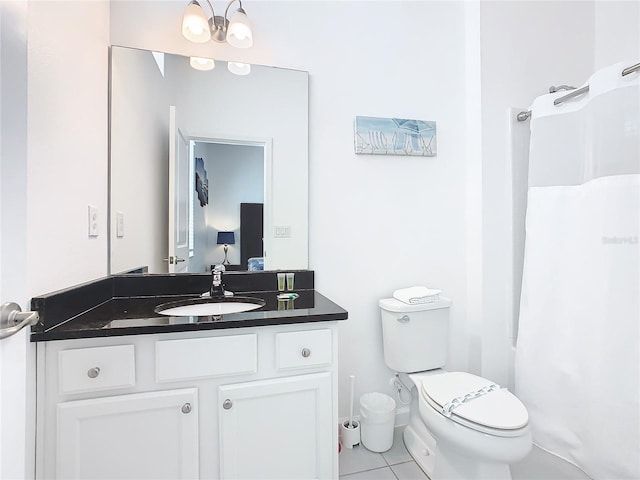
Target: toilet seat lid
(499, 409)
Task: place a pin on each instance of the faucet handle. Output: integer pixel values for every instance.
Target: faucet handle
(218, 268)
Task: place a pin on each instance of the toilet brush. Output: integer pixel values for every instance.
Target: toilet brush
(350, 429)
(352, 383)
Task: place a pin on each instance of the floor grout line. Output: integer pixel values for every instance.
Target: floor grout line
(367, 470)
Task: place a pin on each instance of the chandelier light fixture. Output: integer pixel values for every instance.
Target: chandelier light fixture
(199, 28)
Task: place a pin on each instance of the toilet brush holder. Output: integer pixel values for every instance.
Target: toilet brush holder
(349, 433)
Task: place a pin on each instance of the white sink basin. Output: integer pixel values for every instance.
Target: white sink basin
(206, 307)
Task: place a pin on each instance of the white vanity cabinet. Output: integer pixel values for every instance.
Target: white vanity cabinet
(147, 435)
(294, 418)
(222, 404)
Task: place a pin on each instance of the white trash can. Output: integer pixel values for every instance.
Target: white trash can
(377, 419)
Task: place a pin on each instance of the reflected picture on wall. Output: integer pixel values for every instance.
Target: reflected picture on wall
(202, 183)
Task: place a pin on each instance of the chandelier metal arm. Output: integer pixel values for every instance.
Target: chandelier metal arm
(218, 25)
(229, 5)
(213, 13)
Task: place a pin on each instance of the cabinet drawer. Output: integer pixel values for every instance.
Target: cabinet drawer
(98, 368)
(206, 357)
(309, 348)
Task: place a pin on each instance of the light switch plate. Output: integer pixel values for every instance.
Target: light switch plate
(93, 221)
(282, 231)
(119, 224)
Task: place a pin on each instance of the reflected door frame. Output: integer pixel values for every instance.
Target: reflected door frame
(180, 183)
(267, 148)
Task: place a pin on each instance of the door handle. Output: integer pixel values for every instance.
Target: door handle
(13, 319)
(173, 260)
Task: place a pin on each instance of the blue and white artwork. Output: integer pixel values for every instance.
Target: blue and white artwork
(202, 182)
(395, 136)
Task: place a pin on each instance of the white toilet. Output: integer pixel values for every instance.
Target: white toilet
(450, 437)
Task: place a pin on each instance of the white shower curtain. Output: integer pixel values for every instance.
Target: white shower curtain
(577, 358)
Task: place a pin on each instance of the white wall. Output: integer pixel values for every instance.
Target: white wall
(617, 37)
(67, 142)
(382, 223)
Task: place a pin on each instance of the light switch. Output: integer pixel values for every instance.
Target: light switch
(119, 224)
(93, 221)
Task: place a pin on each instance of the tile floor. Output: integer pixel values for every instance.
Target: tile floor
(358, 463)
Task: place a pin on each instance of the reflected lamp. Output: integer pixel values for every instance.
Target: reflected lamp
(226, 239)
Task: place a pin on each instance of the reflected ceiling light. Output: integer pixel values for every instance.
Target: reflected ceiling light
(197, 27)
(201, 63)
(239, 68)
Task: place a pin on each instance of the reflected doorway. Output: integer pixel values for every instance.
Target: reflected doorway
(232, 174)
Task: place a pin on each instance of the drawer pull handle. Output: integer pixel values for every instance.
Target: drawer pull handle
(93, 372)
(306, 353)
(227, 404)
(186, 408)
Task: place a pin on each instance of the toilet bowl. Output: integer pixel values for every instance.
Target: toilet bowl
(481, 437)
(461, 426)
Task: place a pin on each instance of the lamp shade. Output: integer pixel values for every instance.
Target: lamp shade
(195, 26)
(239, 68)
(202, 64)
(239, 32)
(226, 238)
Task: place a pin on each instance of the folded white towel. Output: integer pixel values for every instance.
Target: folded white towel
(417, 295)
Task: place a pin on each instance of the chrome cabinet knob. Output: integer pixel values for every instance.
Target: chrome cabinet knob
(186, 408)
(227, 404)
(306, 352)
(93, 372)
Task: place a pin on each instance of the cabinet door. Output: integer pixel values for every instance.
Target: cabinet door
(277, 429)
(149, 435)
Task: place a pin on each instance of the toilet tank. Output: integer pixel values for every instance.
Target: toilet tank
(415, 337)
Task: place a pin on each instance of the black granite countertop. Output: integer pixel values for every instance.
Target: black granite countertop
(92, 310)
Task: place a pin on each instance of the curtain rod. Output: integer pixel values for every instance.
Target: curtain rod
(525, 115)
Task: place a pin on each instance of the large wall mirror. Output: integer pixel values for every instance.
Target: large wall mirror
(203, 161)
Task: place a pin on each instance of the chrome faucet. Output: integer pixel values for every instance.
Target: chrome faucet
(217, 287)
